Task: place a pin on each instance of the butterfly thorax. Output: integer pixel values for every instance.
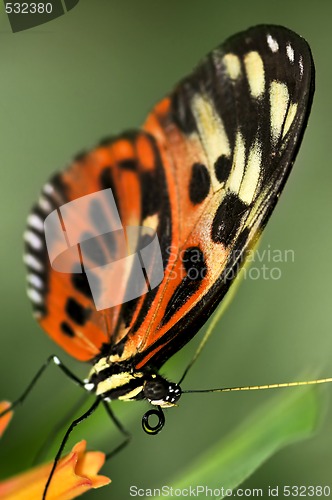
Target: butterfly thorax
(113, 379)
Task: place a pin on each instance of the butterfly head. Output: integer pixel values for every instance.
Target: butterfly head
(160, 392)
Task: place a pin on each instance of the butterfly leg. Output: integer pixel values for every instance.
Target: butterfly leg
(123, 431)
(118, 424)
(52, 359)
(65, 439)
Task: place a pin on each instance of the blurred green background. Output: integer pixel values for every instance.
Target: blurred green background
(95, 72)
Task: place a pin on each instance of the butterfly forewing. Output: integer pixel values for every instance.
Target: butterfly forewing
(232, 130)
(205, 173)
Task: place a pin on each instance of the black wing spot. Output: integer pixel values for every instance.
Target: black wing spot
(106, 182)
(228, 218)
(97, 215)
(81, 284)
(222, 168)
(77, 312)
(199, 183)
(67, 329)
(194, 263)
(196, 269)
(151, 194)
(105, 178)
(92, 249)
(128, 165)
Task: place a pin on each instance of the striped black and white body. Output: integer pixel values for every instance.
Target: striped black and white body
(112, 379)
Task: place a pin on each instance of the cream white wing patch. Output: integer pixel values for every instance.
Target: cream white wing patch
(272, 43)
(233, 66)
(279, 100)
(290, 52)
(251, 179)
(293, 107)
(255, 73)
(33, 239)
(212, 133)
(237, 171)
(301, 66)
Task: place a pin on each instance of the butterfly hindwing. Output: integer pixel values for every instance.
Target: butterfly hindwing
(130, 167)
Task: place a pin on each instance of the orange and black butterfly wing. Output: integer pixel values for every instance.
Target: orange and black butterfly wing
(229, 135)
(130, 167)
(205, 173)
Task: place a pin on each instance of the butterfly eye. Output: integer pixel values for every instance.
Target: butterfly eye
(155, 389)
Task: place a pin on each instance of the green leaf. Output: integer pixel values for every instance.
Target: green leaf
(289, 417)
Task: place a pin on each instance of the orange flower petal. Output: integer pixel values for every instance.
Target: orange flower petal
(4, 421)
(75, 474)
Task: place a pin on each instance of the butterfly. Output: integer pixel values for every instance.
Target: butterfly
(203, 174)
